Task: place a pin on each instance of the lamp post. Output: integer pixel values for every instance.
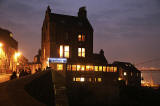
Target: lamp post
(16, 59)
(1, 56)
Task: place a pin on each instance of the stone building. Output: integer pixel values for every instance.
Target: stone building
(8, 48)
(67, 48)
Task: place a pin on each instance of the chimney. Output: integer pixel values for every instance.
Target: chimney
(82, 13)
(101, 52)
(48, 10)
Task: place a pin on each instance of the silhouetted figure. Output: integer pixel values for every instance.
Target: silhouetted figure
(22, 73)
(29, 72)
(13, 76)
(39, 70)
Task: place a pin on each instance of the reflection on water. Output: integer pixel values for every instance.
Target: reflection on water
(150, 76)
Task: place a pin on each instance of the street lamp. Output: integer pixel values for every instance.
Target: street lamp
(16, 57)
(1, 44)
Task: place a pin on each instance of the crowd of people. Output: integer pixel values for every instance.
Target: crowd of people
(21, 73)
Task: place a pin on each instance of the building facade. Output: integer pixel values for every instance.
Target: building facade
(8, 48)
(70, 39)
(128, 73)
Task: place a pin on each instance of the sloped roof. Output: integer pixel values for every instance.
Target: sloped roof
(126, 66)
(70, 21)
(99, 59)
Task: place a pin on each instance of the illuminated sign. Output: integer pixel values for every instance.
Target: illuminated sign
(57, 60)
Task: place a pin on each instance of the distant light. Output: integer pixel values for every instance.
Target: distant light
(124, 73)
(17, 54)
(11, 35)
(119, 78)
(1, 44)
(82, 79)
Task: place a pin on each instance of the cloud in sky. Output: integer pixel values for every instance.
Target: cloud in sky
(127, 30)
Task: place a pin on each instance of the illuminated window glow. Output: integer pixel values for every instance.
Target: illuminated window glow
(111, 69)
(59, 67)
(108, 69)
(99, 79)
(64, 51)
(100, 68)
(74, 79)
(78, 79)
(61, 50)
(68, 67)
(104, 68)
(95, 68)
(82, 79)
(115, 69)
(73, 67)
(82, 67)
(78, 67)
(89, 68)
(81, 38)
(81, 52)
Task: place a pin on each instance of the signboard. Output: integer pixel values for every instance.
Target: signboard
(57, 60)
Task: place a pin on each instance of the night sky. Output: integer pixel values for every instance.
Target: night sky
(127, 30)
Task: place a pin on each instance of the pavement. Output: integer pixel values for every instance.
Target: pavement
(4, 77)
(12, 92)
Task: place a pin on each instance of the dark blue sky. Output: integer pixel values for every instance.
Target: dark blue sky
(127, 30)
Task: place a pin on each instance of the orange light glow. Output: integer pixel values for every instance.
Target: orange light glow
(1, 44)
(95, 68)
(59, 67)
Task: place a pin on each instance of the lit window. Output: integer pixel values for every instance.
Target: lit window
(99, 79)
(95, 79)
(108, 69)
(95, 68)
(81, 52)
(111, 69)
(64, 51)
(82, 79)
(59, 67)
(81, 37)
(61, 50)
(78, 67)
(100, 68)
(74, 79)
(82, 67)
(89, 68)
(125, 73)
(115, 69)
(78, 79)
(104, 68)
(73, 67)
(90, 79)
(68, 67)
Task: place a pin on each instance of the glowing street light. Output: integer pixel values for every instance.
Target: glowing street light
(1, 44)
(17, 55)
